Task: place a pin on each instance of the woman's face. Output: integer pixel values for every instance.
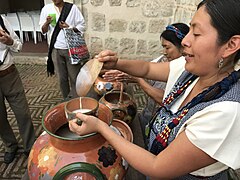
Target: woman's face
(200, 48)
(170, 50)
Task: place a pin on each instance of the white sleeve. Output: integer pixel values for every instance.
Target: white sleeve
(176, 68)
(49, 8)
(43, 17)
(79, 22)
(215, 130)
(17, 44)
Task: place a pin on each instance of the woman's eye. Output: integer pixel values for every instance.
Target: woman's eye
(196, 34)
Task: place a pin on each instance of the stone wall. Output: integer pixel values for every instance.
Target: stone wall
(131, 27)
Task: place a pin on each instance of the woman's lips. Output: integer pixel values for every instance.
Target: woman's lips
(187, 56)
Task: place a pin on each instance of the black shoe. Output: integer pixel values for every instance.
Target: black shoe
(9, 156)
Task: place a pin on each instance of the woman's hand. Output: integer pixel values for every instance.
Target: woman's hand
(89, 124)
(109, 58)
(116, 75)
(111, 75)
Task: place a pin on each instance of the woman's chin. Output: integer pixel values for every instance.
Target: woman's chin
(188, 67)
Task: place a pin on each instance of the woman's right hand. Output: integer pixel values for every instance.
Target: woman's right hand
(109, 58)
(89, 124)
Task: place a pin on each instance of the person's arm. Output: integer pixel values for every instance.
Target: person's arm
(139, 68)
(45, 20)
(11, 39)
(116, 75)
(75, 21)
(45, 26)
(154, 93)
(5, 38)
(79, 20)
(179, 158)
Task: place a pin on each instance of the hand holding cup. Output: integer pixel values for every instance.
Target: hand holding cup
(84, 105)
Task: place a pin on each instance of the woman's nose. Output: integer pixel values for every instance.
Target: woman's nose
(164, 51)
(185, 42)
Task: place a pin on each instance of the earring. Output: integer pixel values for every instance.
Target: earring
(220, 63)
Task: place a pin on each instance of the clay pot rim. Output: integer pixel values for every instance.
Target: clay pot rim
(125, 125)
(78, 98)
(117, 92)
(66, 138)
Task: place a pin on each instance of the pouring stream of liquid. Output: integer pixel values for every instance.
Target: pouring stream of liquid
(80, 101)
(121, 94)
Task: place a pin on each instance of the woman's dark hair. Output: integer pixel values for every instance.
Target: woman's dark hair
(172, 31)
(225, 18)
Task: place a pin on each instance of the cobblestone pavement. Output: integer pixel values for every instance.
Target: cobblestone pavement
(43, 93)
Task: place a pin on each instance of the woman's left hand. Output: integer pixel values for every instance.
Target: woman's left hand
(116, 75)
(111, 75)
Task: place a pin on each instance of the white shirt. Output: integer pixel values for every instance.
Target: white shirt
(74, 19)
(214, 130)
(16, 47)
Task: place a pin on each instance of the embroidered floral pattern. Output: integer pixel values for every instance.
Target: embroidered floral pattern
(165, 122)
(163, 128)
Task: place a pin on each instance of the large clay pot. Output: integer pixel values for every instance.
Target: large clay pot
(102, 86)
(60, 154)
(124, 109)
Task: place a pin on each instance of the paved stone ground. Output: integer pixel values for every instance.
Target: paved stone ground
(42, 94)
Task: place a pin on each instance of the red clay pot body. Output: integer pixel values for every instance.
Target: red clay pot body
(102, 86)
(76, 157)
(125, 110)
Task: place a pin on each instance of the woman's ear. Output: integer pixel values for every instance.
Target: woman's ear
(232, 46)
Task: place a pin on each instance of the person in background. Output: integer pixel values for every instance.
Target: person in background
(195, 134)
(171, 39)
(66, 72)
(11, 89)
